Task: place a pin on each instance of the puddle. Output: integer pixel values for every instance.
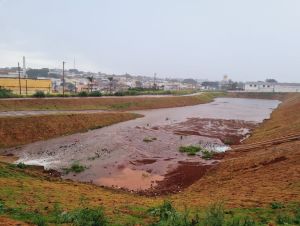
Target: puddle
(130, 179)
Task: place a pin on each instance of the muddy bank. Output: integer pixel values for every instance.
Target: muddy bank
(143, 154)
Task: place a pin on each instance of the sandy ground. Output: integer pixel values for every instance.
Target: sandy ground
(118, 155)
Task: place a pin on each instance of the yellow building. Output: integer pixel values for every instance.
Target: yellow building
(28, 86)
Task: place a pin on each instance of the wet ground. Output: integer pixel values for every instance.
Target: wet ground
(143, 154)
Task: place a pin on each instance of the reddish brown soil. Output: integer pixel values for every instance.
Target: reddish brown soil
(27, 129)
(228, 131)
(4, 221)
(180, 178)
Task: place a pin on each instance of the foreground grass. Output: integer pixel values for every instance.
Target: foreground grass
(48, 126)
(117, 103)
(29, 196)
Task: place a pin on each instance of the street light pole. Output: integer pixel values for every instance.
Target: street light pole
(19, 78)
(63, 74)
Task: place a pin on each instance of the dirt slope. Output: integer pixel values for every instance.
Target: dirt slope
(258, 176)
(27, 129)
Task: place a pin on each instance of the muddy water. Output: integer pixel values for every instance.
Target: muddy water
(138, 154)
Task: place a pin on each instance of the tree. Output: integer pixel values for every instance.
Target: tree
(271, 80)
(110, 83)
(91, 80)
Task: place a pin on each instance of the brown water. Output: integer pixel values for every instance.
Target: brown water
(137, 154)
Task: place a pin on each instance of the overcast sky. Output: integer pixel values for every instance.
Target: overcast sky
(247, 40)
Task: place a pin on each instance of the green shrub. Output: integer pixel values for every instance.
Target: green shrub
(2, 207)
(190, 150)
(119, 93)
(83, 94)
(5, 93)
(95, 94)
(75, 168)
(276, 205)
(21, 165)
(39, 94)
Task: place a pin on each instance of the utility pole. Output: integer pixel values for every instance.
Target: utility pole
(19, 78)
(63, 74)
(154, 81)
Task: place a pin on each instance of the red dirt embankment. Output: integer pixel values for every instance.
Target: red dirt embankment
(27, 129)
(256, 176)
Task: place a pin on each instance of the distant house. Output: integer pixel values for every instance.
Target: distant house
(271, 87)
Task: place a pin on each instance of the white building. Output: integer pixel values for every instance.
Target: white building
(271, 87)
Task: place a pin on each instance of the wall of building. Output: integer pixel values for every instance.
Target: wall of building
(28, 86)
(267, 87)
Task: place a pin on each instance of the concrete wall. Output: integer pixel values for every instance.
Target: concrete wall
(27, 85)
(256, 87)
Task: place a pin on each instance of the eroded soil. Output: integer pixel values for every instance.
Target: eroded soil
(143, 154)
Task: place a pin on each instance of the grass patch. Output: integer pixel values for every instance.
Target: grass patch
(190, 150)
(21, 165)
(206, 154)
(193, 150)
(76, 167)
(149, 139)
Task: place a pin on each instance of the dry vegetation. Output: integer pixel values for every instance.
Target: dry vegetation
(27, 129)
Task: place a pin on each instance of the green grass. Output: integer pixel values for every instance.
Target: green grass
(190, 150)
(193, 150)
(76, 167)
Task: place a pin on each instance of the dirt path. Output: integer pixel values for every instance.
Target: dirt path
(43, 112)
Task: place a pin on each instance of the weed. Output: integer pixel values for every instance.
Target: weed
(193, 150)
(168, 216)
(39, 220)
(86, 217)
(190, 150)
(215, 215)
(21, 165)
(241, 221)
(276, 205)
(149, 139)
(75, 168)
(207, 154)
(283, 219)
(296, 218)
